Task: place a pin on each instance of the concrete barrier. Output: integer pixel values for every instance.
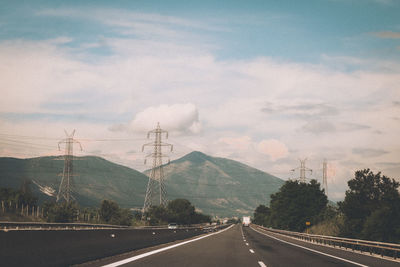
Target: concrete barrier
(64, 248)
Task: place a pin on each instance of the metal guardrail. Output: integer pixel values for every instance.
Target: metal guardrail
(6, 226)
(363, 246)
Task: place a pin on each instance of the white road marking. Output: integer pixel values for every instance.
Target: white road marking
(262, 264)
(252, 251)
(244, 240)
(134, 258)
(313, 250)
(247, 244)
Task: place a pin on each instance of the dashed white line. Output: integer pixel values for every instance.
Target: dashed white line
(121, 262)
(247, 244)
(244, 240)
(262, 264)
(252, 251)
(313, 250)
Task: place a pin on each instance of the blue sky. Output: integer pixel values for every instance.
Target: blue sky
(262, 82)
(286, 30)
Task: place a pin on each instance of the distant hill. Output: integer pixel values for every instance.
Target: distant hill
(219, 186)
(216, 186)
(95, 179)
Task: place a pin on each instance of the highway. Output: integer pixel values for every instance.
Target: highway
(237, 246)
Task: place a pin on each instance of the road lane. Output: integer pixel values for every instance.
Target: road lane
(275, 253)
(243, 246)
(224, 249)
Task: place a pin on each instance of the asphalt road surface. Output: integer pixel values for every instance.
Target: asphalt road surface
(237, 246)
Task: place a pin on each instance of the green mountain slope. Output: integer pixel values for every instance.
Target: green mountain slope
(219, 186)
(95, 179)
(216, 186)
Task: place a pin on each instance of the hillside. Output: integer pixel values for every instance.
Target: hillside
(95, 179)
(216, 186)
(219, 186)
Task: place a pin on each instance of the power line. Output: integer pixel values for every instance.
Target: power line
(17, 142)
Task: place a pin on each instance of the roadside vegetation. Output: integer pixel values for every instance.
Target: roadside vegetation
(370, 210)
(292, 206)
(179, 211)
(22, 206)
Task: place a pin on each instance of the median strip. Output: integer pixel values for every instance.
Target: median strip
(125, 261)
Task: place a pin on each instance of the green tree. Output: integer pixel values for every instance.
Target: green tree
(60, 212)
(181, 211)
(371, 207)
(261, 215)
(296, 203)
(111, 213)
(158, 215)
(108, 211)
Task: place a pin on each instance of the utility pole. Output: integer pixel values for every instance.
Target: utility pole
(65, 189)
(325, 176)
(156, 177)
(303, 169)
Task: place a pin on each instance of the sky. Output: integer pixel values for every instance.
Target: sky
(263, 82)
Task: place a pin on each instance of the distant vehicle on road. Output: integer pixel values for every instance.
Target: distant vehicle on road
(172, 226)
(246, 220)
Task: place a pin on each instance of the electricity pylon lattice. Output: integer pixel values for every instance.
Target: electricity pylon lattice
(325, 176)
(303, 170)
(156, 177)
(66, 185)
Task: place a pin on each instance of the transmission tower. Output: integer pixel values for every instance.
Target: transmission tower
(156, 178)
(65, 189)
(325, 176)
(303, 170)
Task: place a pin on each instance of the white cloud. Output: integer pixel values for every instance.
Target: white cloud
(273, 148)
(181, 118)
(317, 110)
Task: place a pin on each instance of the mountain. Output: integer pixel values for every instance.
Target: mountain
(216, 186)
(219, 186)
(94, 178)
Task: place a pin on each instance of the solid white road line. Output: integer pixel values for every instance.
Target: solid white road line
(252, 251)
(313, 250)
(121, 262)
(262, 264)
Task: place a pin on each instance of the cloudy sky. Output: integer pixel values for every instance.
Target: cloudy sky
(262, 82)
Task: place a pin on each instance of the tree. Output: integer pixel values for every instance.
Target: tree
(371, 207)
(295, 204)
(111, 213)
(108, 211)
(158, 215)
(181, 211)
(60, 212)
(261, 215)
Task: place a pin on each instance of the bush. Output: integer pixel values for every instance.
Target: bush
(111, 213)
(60, 212)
